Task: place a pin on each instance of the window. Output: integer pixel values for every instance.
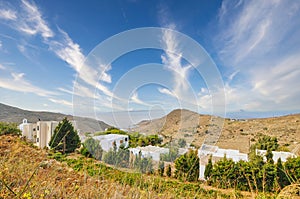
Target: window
(126, 139)
(37, 139)
(38, 128)
(33, 129)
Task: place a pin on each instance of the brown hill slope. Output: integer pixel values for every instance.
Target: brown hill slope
(16, 115)
(235, 134)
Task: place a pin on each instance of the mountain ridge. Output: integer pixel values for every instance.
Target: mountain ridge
(238, 134)
(16, 115)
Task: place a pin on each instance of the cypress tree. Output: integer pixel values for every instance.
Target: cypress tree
(65, 138)
(208, 169)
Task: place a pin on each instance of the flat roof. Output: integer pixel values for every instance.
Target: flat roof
(151, 148)
(109, 136)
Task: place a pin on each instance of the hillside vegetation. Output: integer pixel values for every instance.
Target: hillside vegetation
(28, 172)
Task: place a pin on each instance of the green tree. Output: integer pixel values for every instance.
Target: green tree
(118, 158)
(169, 171)
(181, 143)
(65, 137)
(187, 166)
(282, 177)
(171, 156)
(143, 165)
(161, 168)
(269, 156)
(94, 148)
(208, 169)
(292, 168)
(269, 175)
(267, 142)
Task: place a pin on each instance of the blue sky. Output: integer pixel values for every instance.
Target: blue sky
(255, 46)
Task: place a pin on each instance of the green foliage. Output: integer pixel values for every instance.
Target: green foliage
(111, 130)
(146, 183)
(83, 151)
(171, 156)
(269, 176)
(269, 156)
(118, 158)
(143, 165)
(94, 148)
(282, 177)
(181, 143)
(187, 166)
(267, 142)
(264, 143)
(223, 174)
(9, 129)
(136, 139)
(208, 169)
(65, 138)
(292, 169)
(169, 171)
(255, 175)
(161, 168)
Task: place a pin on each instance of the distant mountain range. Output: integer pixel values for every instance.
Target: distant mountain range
(189, 125)
(16, 115)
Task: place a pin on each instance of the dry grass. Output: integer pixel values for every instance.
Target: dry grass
(26, 172)
(52, 179)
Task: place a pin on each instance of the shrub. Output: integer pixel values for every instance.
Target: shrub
(9, 129)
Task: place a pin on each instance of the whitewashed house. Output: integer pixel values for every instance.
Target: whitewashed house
(28, 130)
(207, 151)
(276, 155)
(107, 141)
(44, 132)
(149, 151)
(39, 133)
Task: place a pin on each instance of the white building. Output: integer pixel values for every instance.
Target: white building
(205, 151)
(276, 155)
(107, 141)
(39, 133)
(149, 151)
(44, 132)
(28, 130)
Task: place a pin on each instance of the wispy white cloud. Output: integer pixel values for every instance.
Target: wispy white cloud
(135, 98)
(8, 14)
(87, 73)
(32, 22)
(60, 101)
(17, 82)
(166, 91)
(2, 67)
(67, 50)
(265, 56)
(173, 62)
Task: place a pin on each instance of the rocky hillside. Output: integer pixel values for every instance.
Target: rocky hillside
(235, 134)
(16, 115)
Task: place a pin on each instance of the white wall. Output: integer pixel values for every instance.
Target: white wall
(106, 141)
(150, 151)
